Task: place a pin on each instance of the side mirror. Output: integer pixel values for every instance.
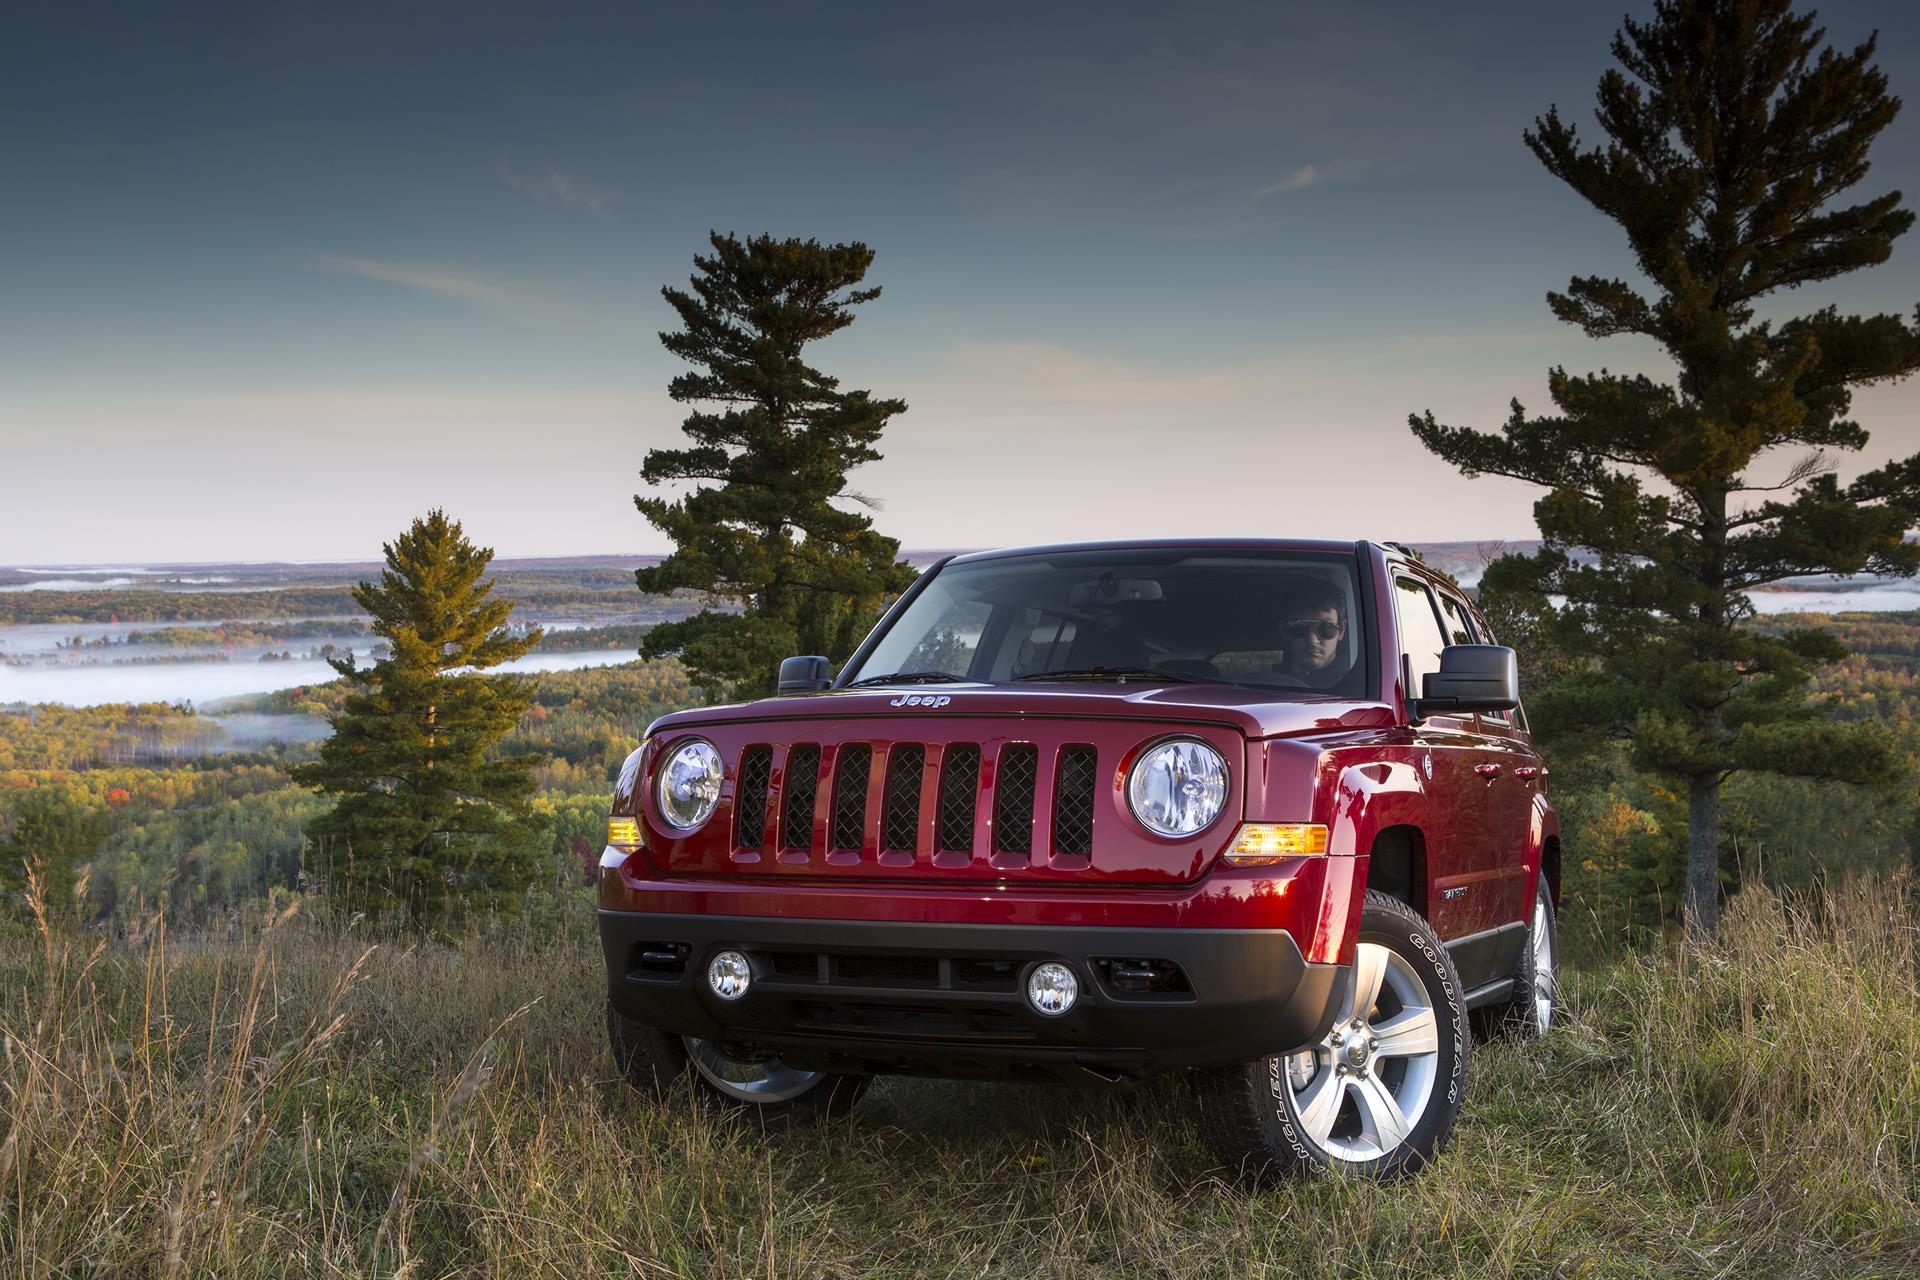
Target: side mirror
(805, 675)
(1472, 677)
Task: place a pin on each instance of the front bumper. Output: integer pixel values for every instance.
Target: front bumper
(946, 998)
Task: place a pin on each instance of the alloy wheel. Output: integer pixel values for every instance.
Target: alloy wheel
(1362, 1089)
(745, 1077)
(1543, 991)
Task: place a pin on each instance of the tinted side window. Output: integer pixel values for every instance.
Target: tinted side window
(1462, 628)
(1421, 638)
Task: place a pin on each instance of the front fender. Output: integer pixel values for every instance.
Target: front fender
(1367, 798)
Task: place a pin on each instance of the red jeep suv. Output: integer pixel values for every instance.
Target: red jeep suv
(1265, 811)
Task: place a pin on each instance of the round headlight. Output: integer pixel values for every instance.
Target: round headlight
(689, 784)
(1178, 787)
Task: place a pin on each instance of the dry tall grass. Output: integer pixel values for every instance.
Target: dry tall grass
(301, 1102)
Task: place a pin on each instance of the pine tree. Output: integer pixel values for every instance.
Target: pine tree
(430, 817)
(1731, 135)
(771, 459)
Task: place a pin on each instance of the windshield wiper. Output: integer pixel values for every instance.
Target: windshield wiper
(1107, 673)
(909, 677)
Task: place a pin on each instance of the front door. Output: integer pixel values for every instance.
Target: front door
(1463, 796)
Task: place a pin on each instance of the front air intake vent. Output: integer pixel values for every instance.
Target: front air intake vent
(851, 766)
(800, 786)
(959, 783)
(750, 802)
(1073, 794)
(1019, 767)
(900, 824)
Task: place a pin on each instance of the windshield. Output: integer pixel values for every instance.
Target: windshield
(1268, 619)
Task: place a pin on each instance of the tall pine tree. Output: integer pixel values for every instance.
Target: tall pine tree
(1732, 134)
(770, 460)
(430, 816)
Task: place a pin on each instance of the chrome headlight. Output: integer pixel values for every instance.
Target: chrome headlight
(688, 784)
(1178, 787)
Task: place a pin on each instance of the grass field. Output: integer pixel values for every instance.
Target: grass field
(299, 1101)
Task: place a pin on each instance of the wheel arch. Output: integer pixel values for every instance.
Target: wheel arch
(1397, 865)
(1550, 867)
(1380, 815)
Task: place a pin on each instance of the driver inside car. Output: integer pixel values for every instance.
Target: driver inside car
(1315, 630)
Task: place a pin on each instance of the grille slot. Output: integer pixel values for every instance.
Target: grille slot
(985, 975)
(887, 971)
(959, 787)
(1073, 794)
(801, 785)
(1019, 768)
(900, 824)
(851, 765)
(801, 965)
(911, 1024)
(750, 798)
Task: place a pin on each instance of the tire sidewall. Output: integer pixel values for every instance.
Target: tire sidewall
(1526, 1018)
(656, 1062)
(1391, 924)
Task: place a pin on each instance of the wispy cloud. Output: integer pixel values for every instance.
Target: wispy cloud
(1244, 210)
(527, 299)
(1043, 374)
(1305, 176)
(555, 187)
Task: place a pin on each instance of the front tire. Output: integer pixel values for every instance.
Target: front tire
(1378, 1095)
(740, 1081)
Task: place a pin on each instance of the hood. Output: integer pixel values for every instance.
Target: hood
(1255, 713)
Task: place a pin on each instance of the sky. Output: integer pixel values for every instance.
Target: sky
(276, 279)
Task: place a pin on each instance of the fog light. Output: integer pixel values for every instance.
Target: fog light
(728, 975)
(1052, 989)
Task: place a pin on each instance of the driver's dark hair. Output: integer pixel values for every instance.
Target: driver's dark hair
(1317, 597)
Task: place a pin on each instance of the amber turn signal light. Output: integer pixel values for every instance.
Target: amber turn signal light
(623, 833)
(1260, 844)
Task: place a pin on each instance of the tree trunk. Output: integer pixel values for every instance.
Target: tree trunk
(1703, 858)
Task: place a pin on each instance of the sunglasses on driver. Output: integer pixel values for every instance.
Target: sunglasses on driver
(1318, 628)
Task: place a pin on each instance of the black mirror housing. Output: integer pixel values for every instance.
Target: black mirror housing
(813, 674)
(1472, 677)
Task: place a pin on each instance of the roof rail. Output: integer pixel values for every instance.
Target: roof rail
(1403, 549)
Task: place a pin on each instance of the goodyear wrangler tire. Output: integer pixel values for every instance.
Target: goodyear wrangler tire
(1378, 1095)
(748, 1086)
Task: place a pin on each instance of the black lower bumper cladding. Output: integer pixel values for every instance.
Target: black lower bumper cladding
(949, 999)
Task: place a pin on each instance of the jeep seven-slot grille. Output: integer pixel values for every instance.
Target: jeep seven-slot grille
(1025, 819)
(850, 769)
(1018, 770)
(1073, 794)
(900, 823)
(797, 792)
(750, 808)
(959, 790)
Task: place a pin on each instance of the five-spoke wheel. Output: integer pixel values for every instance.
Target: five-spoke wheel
(1378, 1094)
(738, 1078)
(1362, 1089)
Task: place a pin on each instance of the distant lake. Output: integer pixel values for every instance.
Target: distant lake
(204, 682)
(1880, 597)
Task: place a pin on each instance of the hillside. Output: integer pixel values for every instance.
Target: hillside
(297, 1101)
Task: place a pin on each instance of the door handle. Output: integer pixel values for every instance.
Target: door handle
(1527, 772)
(1487, 770)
